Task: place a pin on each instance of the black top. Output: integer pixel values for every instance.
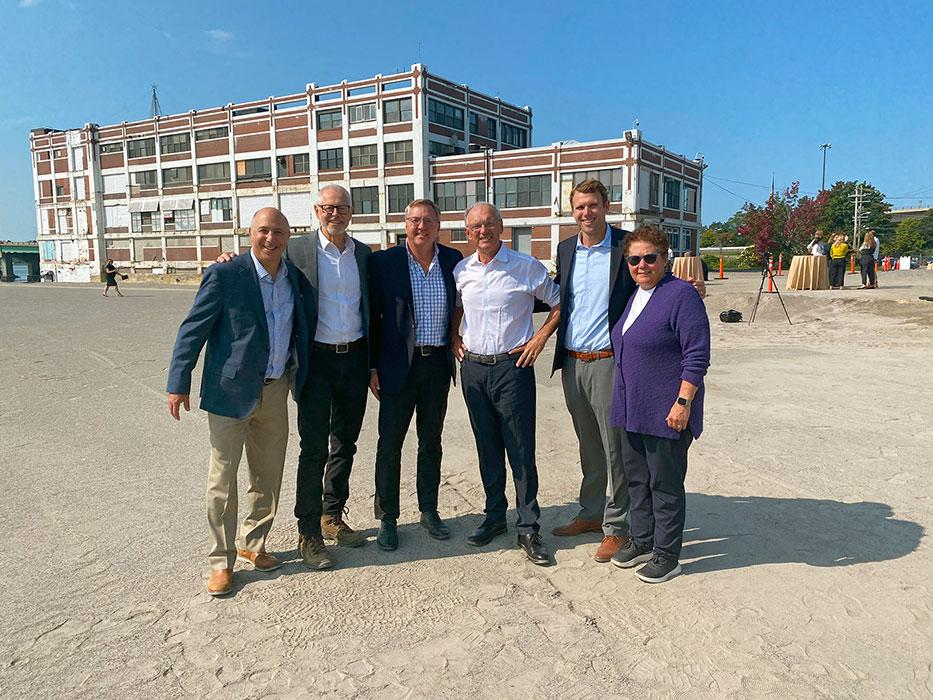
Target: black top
(111, 272)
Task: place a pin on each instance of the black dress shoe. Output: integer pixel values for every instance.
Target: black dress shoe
(387, 539)
(485, 533)
(534, 549)
(432, 522)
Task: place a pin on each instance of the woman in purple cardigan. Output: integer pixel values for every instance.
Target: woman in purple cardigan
(661, 345)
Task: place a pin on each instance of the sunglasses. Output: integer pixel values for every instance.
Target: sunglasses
(650, 258)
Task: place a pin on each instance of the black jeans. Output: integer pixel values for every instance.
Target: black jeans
(424, 393)
(837, 272)
(867, 263)
(656, 468)
(500, 400)
(331, 408)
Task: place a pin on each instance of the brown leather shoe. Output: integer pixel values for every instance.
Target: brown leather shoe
(220, 582)
(609, 546)
(577, 527)
(261, 561)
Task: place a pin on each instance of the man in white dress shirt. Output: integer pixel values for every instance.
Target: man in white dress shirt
(496, 291)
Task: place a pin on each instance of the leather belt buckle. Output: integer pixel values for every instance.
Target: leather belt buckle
(342, 348)
(425, 350)
(268, 380)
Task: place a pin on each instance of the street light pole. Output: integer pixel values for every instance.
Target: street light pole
(824, 147)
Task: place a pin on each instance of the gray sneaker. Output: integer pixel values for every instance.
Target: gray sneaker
(659, 569)
(314, 553)
(630, 554)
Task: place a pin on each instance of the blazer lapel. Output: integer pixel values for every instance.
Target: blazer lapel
(253, 293)
(615, 257)
(405, 277)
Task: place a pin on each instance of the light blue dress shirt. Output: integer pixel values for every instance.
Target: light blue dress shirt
(279, 304)
(588, 297)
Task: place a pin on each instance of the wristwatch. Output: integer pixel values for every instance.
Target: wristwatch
(681, 401)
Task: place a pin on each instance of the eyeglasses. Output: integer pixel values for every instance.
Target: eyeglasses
(331, 208)
(650, 258)
(418, 220)
(481, 225)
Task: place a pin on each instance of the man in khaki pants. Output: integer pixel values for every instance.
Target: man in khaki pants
(250, 314)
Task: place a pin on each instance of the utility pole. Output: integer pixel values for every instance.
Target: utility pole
(824, 147)
(155, 109)
(857, 215)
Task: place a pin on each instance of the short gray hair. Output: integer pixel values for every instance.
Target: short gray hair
(424, 203)
(332, 187)
(493, 207)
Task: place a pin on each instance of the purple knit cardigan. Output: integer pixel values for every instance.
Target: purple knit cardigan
(668, 342)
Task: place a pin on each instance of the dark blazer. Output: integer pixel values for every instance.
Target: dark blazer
(302, 252)
(392, 329)
(622, 287)
(229, 316)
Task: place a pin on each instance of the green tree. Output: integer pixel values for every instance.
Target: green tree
(908, 239)
(840, 210)
(724, 232)
(926, 229)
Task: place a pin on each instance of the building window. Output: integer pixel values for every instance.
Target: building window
(482, 125)
(44, 155)
(673, 236)
(184, 219)
(362, 113)
(215, 132)
(532, 191)
(214, 172)
(365, 200)
(140, 148)
(216, 210)
(254, 169)
(521, 239)
(302, 163)
(175, 143)
(514, 136)
(60, 152)
(396, 111)
(398, 152)
(111, 147)
(672, 193)
(145, 179)
(443, 113)
(176, 177)
(332, 119)
(686, 239)
(400, 196)
(443, 149)
(457, 196)
(364, 156)
(690, 199)
(145, 221)
(654, 189)
(458, 235)
(59, 190)
(612, 179)
(330, 159)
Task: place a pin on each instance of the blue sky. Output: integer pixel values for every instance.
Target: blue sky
(755, 87)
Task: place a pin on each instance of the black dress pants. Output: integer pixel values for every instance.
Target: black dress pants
(656, 468)
(330, 409)
(500, 400)
(867, 263)
(425, 395)
(837, 272)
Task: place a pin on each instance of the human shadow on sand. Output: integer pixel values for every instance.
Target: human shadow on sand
(731, 532)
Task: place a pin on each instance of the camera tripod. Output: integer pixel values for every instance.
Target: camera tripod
(766, 273)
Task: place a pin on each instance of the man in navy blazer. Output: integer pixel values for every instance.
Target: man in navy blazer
(250, 313)
(412, 300)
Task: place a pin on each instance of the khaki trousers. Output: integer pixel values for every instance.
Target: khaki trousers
(265, 434)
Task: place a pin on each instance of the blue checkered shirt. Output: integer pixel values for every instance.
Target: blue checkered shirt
(430, 299)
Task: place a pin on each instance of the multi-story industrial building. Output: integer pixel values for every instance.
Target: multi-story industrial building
(176, 191)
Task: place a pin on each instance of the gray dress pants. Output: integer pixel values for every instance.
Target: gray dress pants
(588, 395)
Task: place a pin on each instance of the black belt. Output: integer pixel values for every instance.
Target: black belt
(489, 359)
(269, 380)
(426, 350)
(340, 348)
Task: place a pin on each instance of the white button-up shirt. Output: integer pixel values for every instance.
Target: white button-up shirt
(498, 298)
(279, 304)
(340, 318)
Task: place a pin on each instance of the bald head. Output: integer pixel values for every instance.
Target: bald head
(268, 234)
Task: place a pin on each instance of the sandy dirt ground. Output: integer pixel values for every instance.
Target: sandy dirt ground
(807, 569)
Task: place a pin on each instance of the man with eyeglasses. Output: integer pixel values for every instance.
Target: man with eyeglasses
(412, 299)
(496, 289)
(595, 286)
(331, 407)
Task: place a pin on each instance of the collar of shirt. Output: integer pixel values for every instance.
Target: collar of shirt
(502, 256)
(325, 244)
(607, 239)
(413, 261)
(263, 272)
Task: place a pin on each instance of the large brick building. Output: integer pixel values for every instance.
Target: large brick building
(175, 191)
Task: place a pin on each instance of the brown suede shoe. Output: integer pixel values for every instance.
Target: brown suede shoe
(577, 527)
(609, 546)
(261, 561)
(335, 529)
(220, 582)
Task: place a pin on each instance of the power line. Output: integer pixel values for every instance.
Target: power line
(737, 182)
(730, 192)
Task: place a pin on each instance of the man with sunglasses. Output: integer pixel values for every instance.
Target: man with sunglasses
(595, 286)
(331, 407)
(412, 299)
